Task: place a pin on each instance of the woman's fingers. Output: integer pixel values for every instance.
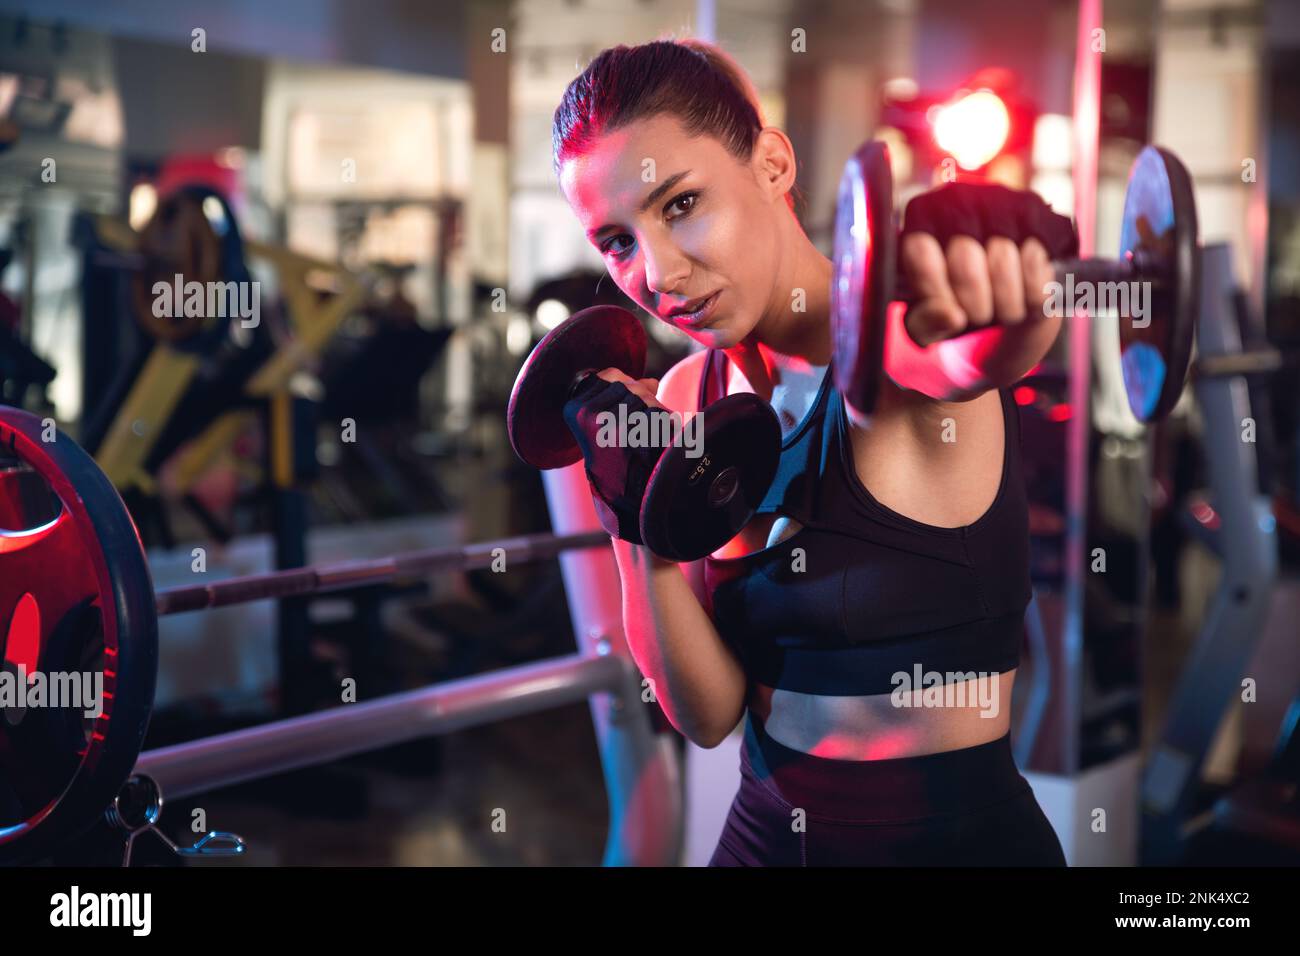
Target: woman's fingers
(1036, 268)
(935, 313)
(1007, 280)
(970, 286)
(646, 389)
(968, 274)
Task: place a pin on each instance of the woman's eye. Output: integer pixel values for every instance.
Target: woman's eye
(677, 207)
(683, 203)
(608, 246)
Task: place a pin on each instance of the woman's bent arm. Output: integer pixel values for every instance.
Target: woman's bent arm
(696, 678)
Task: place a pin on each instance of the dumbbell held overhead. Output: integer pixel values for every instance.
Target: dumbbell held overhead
(682, 500)
(1158, 244)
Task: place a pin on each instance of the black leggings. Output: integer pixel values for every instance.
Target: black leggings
(968, 807)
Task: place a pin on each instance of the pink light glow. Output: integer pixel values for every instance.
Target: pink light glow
(973, 128)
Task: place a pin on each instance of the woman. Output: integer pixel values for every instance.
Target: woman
(889, 548)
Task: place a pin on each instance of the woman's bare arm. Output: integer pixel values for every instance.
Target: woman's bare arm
(697, 679)
(979, 321)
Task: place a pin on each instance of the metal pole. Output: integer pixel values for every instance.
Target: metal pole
(706, 20)
(202, 765)
(642, 768)
(351, 574)
(1087, 118)
(1101, 270)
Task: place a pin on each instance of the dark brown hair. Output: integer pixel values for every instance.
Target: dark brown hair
(693, 80)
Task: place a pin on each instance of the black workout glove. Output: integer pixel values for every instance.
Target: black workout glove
(617, 475)
(984, 210)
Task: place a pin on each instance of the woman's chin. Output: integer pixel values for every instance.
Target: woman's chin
(720, 335)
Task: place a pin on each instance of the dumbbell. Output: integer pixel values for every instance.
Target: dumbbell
(681, 502)
(1158, 244)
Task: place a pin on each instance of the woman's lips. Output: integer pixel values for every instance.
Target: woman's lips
(700, 317)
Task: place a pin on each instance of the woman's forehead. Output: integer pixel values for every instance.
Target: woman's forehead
(620, 166)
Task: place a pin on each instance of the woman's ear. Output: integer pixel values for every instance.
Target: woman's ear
(773, 162)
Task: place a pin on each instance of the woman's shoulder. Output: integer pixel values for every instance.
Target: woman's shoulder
(679, 388)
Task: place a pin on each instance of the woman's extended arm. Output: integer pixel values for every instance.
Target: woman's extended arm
(959, 369)
(981, 322)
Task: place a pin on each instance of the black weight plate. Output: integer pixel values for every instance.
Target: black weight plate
(1159, 236)
(695, 505)
(75, 594)
(863, 263)
(603, 336)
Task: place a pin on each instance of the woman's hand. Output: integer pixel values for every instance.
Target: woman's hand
(646, 389)
(970, 285)
(631, 555)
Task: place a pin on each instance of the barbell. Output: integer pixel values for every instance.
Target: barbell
(1158, 245)
(76, 596)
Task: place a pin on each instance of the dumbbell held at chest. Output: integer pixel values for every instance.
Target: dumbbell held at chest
(1153, 287)
(683, 487)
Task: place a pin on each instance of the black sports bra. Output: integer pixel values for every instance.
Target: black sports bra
(862, 600)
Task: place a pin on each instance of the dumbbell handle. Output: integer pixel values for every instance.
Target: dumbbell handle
(579, 381)
(1093, 270)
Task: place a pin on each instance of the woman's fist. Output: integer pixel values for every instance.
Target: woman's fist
(969, 285)
(646, 389)
(977, 255)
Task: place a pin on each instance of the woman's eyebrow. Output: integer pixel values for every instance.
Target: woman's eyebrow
(649, 201)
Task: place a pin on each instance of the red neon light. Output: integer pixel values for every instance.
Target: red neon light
(1059, 413)
(973, 128)
(1024, 395)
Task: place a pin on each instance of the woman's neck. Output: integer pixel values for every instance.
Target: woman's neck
(795, 331)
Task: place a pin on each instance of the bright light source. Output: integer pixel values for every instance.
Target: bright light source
(551, 312)
(144, 200)
(973, 129)
(1057, 189)
(519, 335)
(1053, 142)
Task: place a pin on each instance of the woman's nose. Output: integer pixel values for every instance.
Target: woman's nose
(665, 267)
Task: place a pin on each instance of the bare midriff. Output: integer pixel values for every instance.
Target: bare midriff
(878, 727)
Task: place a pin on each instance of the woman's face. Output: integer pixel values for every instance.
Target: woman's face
(686, 230)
